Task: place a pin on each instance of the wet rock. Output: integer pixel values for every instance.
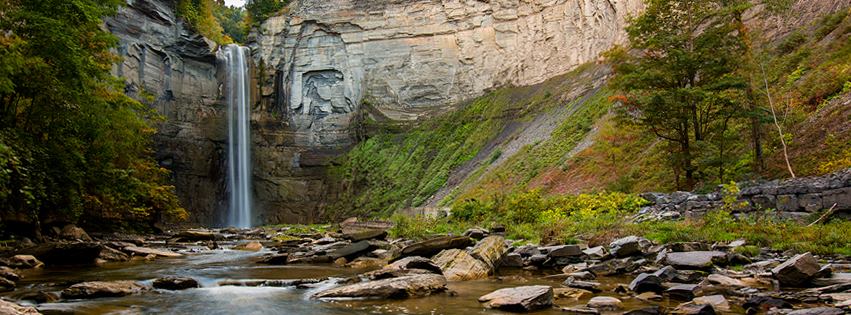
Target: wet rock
(98, 289)
(395, 273)
(366, 263)
(584, 285)
(9, 308)
(598, 252)
(73, 232)
(762, 303)
(695, 260)
(393, 288)
(433, 246)
(512, 260)
(582, 275)
(40, 297)
(6, 285)
(273, 283)
(653, 310)
(628, 246)
(9, 273)
(458, 265)
(252, 246)
(277, 259)
(646, 282)
(145, 251)
(80, 253)
(797, 270)
(719, 302)
(175, 283)
(415, 262)
(519, 299)
(490, 250)
(579, 311)
(649, 296)
(476, 233)
(111, 254)
(351, 251)
(683, 292)
(198, 235)
(817, 311)
(605, 303)
(562, 251)
(571, 293)
(22, 262)
(688, 247)
(693, 309)
(366, 234)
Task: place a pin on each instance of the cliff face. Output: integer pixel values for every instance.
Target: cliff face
(321, 62)
(173, 69)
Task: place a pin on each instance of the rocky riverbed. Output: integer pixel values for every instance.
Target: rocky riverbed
(356, 268)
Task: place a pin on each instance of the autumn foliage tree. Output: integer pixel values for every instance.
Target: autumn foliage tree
(680, 78)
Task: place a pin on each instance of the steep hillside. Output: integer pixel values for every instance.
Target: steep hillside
(561, 136)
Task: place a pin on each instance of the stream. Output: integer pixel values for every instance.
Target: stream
(210, 267)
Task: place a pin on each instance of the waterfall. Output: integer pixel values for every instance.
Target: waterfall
(239, 145)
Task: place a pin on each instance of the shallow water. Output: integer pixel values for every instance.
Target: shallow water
(211, 267)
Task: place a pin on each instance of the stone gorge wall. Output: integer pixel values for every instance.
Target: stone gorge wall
(407, 59)
(791, 198)
(167, 65)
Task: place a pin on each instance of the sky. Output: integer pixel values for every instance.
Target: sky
(238, 3)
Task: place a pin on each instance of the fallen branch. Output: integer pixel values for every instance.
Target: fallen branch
(776, 123)
(824, 216)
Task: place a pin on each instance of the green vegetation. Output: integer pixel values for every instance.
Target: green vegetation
(597, 219)
(260, 10)
(72, 145)
(199, 14)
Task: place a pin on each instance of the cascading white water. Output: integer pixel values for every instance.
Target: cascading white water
(239, 147)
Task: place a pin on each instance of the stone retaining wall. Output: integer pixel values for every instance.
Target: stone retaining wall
(791, 198)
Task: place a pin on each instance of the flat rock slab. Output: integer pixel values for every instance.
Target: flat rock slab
(175, 283)
(10, 308)
(818, 311)
(198, 235)
(392, 288)
(458, 265)
(695, 260)
(98, 289)
(144, 251)
(605, 303)
(350, 251)
(367, 234)
(519, 299)
(415, 262)
(433, 246)
(490, 250)
(80, 253)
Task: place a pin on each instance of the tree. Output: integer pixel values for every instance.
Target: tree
(72, 144)
(681, 82)
(260, 10)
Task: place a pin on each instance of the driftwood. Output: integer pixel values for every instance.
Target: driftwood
(824, 216)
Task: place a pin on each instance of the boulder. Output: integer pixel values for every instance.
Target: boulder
(519, 299)
(476, 233)
(433, 246)
(613, 267)
(366, 263)
(598, 252)
(695, 259)
(683, 292)
(145, 251)
(80, 253)
(7, 285)
(73, 232)
(490, 250)
(98, 289)
(512, 260)
(561, 251)
(579, 311)
(276, 259)
(366, 234)
(628, 246)
(666, 273)
(646, 282)
(40, 297)
(763, 303)
(605, 303)
(111, 254)
(175, 283)
(253, 246)
(351, 251)
(797, 270)
(9, 308)
(415, 262)
(392, 288)
(725, 281)
(584, 285)
(458, 265)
